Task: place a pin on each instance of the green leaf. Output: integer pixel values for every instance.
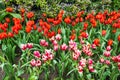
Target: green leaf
(6, 78)
(71, 71)
(20, 72)
(4, 47)
(13, 53)
(16, 15)
(3, 15)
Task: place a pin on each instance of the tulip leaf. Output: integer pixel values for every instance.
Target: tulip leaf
(16, 15)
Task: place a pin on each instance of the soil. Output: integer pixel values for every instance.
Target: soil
(1, 74)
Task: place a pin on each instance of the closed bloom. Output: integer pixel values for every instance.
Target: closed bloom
(44, 58)
(84, 35)
(30, 14)
(48, 51)
(52, 38)
(91, 69)
(54, 42)
(46, 44)
(56, 47)
(102, 60)
(90, 61)
(80, 69)
(37, 54)
(119, 65)
(103, 32)
(119, 37)
(96, 41)
(67, 20)
(108, 48)
(9, 9)
(42, 42)
(110, 42)
(93, 46)
(33, 62)
(107, 62)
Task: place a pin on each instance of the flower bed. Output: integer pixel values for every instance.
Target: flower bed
(80, 47)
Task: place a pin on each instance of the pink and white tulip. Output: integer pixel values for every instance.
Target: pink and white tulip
(58, 37)
(23, 46)
(29, 45)
(33, 62)
(37, 54)
(64, 47)
(106, 53)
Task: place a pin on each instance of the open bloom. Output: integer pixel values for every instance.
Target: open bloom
(76, 54)
(72, 45)
(47, 56)
(64, 47)
(82, 62)
(106, 53)
(86, 49)
(23, 46)
(38, 63)
(29, 45)
(43, 43)
(58, 37)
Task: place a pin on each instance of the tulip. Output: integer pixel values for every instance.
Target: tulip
(108, 48)
(64, 47)
(102, 60)
(44, 57)
(106, 53)
(54, 42)
(37, 54)
(107, 62)
(82, 62)
(91, 69)
(93, 46)
(90, 61)
(29, 45)
(38, 63)
(80, 69)
(72, 45)
(33, 62)
(23, 46)
(58, 37)
(42, 42)
(56, 47)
